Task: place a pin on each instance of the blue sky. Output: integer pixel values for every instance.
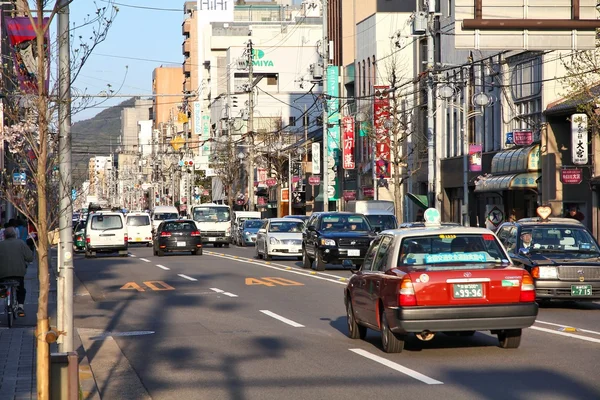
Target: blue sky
(139, 40)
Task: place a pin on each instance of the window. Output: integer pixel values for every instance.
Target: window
(180, 227)
(138, 220)
(382, 254)
(526, 79)
(292, 121)
(106, 222)
(272, 80)
(370, 257)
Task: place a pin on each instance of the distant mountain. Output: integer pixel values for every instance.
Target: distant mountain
(95, 136)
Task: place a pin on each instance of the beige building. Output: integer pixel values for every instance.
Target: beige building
(168, 99)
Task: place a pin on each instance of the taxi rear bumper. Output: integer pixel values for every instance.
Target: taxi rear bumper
(464, 318)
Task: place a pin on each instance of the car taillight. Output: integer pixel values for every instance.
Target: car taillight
(406, 295)
(195, 233)
(535, 272)
(126, 238)
(87, 240)
(78, 239)
(165, 234)
(527, 288)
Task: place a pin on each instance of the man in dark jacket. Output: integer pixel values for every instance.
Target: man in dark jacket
(14, 256)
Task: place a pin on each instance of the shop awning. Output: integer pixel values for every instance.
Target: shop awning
(526, 180)
(419, 199)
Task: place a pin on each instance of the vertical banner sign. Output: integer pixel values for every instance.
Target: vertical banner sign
(205, 134)
(197, 118)
(381, 113)
(475, 157)
(579, 138)
(348, 142)
(333, 131)
(316, 158)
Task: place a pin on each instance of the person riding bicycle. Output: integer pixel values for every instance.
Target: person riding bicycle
(14, 256)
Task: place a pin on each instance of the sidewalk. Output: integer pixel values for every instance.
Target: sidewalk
(17, 345)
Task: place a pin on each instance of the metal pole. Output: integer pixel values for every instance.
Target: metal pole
(430, 110)
(290, 183)
(465, 209)
(250, 128)
(325, 51)
(66, 207)
(374, 170)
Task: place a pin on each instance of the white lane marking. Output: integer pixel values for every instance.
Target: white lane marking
(163, 267)
(217, 290)
(566, 326)
(132, 255)
(189, 278)
(144, 259)
(282, 268)
(571, 335)
(230, 294)
(397, 367)
(282, 319)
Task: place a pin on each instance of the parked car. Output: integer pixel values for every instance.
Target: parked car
(180, 235)
(455, 280)
(139, 228)
(279, 237)
(560, 253)
(335, 237)
(249, 231)
(106, 231)
(79, 235)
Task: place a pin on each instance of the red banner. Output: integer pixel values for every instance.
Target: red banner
(381, 114)
(348, 142)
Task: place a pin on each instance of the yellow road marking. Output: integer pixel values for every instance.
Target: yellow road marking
(132, 285)
(255, 281)
(153, 285)
(283, 281)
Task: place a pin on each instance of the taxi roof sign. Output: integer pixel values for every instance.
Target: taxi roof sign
(544, 212)
(432, 217)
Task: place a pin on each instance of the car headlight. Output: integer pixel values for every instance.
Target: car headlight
(327, 242)
(548, 273)
(228, 232)
(274, 240)
(247, 233)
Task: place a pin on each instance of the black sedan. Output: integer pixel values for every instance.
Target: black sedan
(177, 235)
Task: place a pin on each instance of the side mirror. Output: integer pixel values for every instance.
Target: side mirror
(262, 230)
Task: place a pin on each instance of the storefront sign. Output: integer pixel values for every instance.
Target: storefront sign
(523, 138)
(510, 138)
(475, 157)
(333, 131)
(314, 180)
(368, 191)
(316, 158)
(381, 114)
(349, 195)
(271, 182)
(285, 194)
(348, 150)
(572, 176)
(579, 139)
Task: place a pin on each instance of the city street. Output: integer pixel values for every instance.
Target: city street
(227, 326)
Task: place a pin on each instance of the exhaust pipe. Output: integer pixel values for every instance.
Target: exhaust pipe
(425, 336)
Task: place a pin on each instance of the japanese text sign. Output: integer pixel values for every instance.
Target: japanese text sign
(381, 113)
(579, 138)
(348, 144)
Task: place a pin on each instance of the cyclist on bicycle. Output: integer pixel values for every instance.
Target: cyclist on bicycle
(14, 256)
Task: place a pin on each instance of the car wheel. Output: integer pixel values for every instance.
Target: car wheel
(199, 252)
(258, 253)
(155, 252)
(355, 331)
(510, 339)
(160, 253)
(306, 262)
(241, 243)
(226, 244)
(390, 342)
(149, 244)
(267, 257)
(319, 264)
(299, 258)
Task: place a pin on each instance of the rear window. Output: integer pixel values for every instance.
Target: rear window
(105, 222)
(138, 220)
(253, 223)
(448, 251)
(180, 227)
(165, 216)
(286, 227)
(384, 222)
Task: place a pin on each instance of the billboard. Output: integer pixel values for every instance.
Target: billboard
(333, 131)
(215, 10)
(348, 142)
(381, 113)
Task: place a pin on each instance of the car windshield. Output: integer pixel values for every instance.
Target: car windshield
(105, 222)
(179, 226)
(383, 222)
(286, 227)
(555, 242)
(211, 214)
(343, 223)
(450, 251)
(165, 216)
(138, 220)
(252, 224)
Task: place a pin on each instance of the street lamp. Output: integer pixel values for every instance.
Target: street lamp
(300, 152)
(480, 100)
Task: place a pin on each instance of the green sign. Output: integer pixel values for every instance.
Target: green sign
(258, 59)
(333, 132)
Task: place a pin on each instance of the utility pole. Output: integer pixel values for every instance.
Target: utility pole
(65, 275)
(465, 106)
(325, 54)
(430, 109)
(250, 127)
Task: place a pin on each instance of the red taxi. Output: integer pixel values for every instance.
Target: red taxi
(432, 279)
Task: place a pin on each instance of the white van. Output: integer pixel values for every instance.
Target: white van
(161, 213)
(139, 228)
(106, 231)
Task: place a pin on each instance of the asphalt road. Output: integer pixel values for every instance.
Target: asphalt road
(227, 326)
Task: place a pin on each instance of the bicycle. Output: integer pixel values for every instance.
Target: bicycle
(8, 291)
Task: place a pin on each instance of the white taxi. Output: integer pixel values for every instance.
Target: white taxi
(280, 237)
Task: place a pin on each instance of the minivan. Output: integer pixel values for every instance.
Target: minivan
(139, 228)
(106, 231)
(161, 213)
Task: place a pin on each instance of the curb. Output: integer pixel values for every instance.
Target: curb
(87, 383)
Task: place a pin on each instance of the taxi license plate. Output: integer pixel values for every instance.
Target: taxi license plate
(138, 239)
(180, 244)
(212, 239)
(467, 290)
(581, 290)
(353, 253)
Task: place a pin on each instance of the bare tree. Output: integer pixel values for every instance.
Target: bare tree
(30, 109)
(226, 166)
